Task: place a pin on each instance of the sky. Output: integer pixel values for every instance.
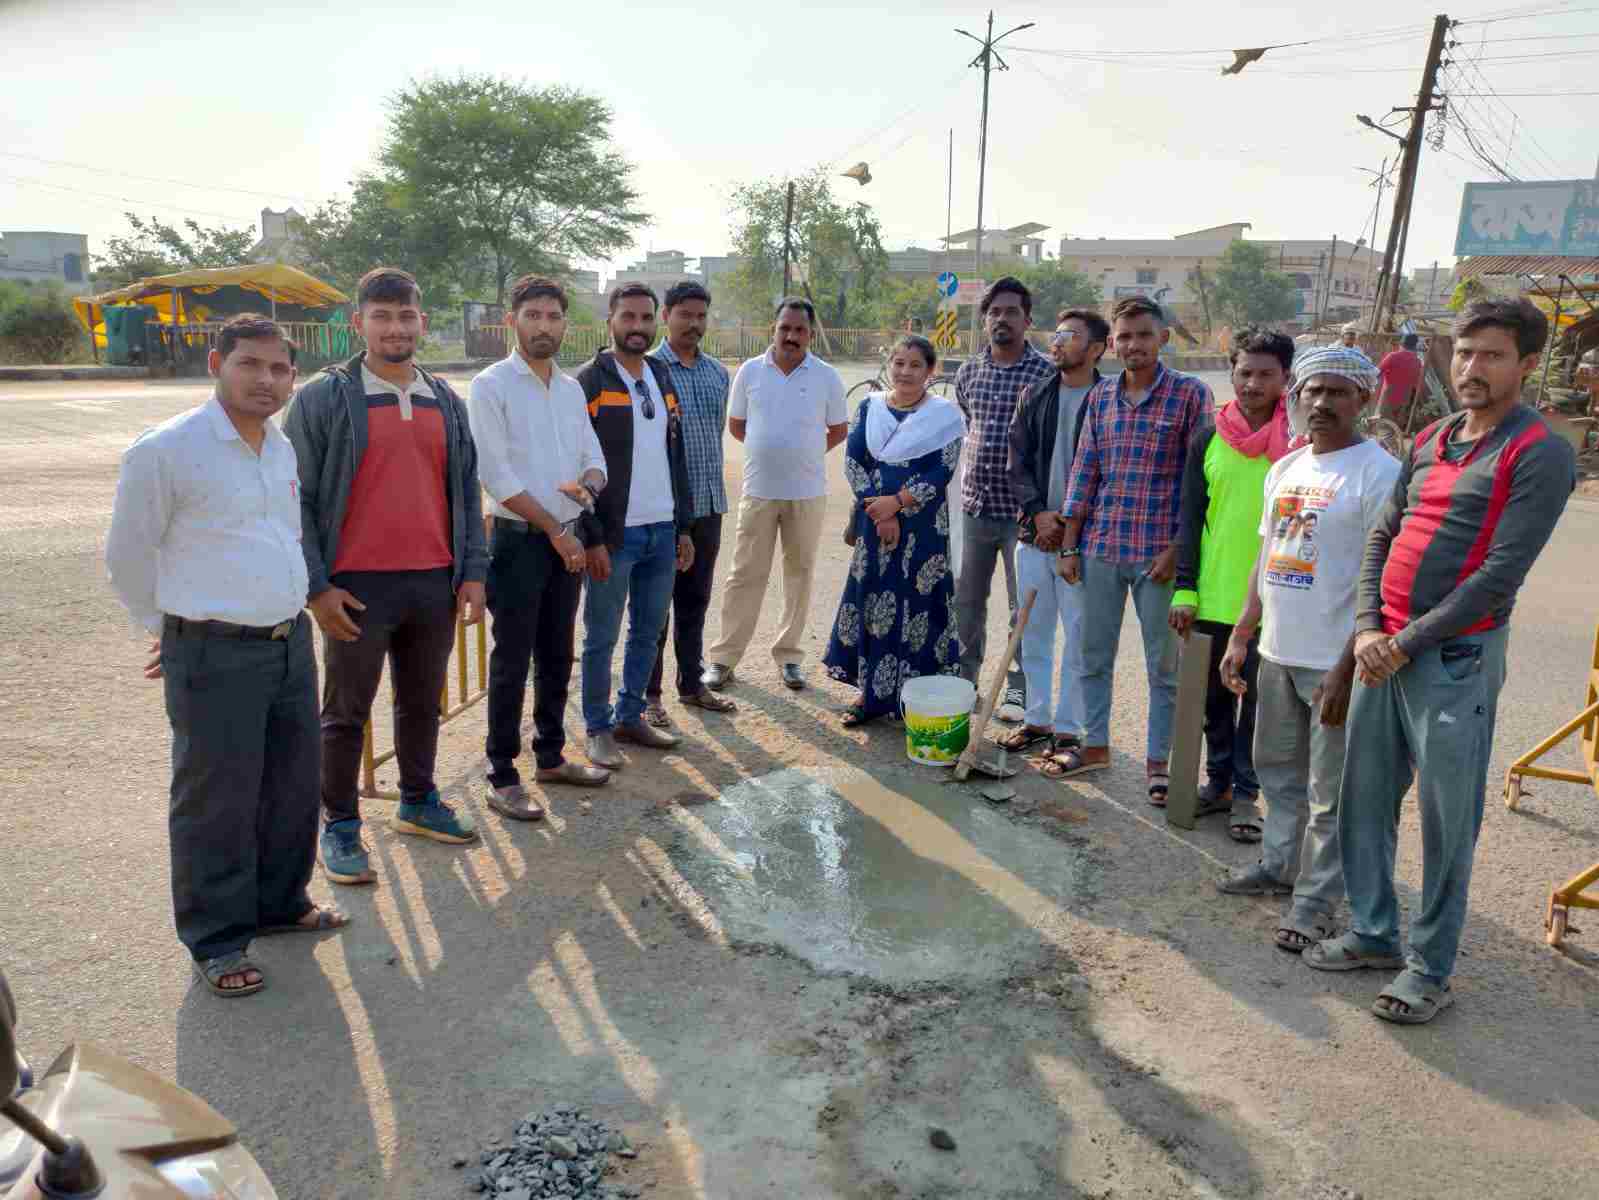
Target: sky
(1110, 122)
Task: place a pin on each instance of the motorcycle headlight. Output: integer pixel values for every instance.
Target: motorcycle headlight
(229, 1173)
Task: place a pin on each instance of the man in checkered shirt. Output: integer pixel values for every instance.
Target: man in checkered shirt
(988, 388)
(1122, 505)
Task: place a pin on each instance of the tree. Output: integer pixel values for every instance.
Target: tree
(1247, 291)
(838, 252)
(480, 180)
(1201, 287)
(155, 248)
(1055, 287)
(37, 325)
(1465, 292)
(897, 301)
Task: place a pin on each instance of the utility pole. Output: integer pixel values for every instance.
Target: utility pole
(949, 197)
(1393, 260)
(987, 59)
(1376, 215)
(788, 238)
(1326, 299)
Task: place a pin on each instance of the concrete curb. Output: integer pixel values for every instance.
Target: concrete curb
(36, 374)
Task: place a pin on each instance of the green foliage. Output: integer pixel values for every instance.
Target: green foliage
(480, 180)
(838, 252)
(1055, 287)
(152, 247)
(1465, 292)
(1247, 291)
(898, 301)
(37, 325)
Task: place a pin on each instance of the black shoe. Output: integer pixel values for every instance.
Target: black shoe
(792, 679)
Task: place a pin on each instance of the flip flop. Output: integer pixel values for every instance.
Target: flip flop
(1022, 738)
(212, 971)
(1069, 762)
(1424, 1000)
(327, 920)
(854, 716)
(1343, 953)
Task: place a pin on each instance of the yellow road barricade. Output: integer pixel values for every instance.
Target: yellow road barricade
(1573, 893)
(466, 696)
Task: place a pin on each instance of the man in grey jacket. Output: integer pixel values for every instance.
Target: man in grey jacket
(393, 544)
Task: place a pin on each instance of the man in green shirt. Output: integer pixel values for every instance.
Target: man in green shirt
(1218, 542)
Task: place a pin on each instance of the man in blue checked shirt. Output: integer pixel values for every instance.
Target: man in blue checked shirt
(1123, 501)
(988, 388)
(701, 383)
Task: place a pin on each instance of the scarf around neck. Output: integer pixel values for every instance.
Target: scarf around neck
(1271, 439)
(931, 427)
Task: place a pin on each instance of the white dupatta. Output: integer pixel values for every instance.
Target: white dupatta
(932, 426)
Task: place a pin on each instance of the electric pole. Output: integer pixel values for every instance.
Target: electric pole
(987, 59)
(1393, 259)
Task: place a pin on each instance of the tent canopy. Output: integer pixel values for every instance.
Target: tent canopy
(273, 282)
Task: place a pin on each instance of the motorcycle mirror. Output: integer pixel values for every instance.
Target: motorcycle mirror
(8, 1040)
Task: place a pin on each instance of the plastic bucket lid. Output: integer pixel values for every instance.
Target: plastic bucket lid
(938, 696)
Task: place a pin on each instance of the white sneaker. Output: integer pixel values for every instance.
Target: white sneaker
(1012, 707)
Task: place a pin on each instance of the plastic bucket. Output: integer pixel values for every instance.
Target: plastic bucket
(938, 718)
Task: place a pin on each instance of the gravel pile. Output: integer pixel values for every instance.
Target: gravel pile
(559, 1153)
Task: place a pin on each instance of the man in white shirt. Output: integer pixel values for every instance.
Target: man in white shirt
(541, 464)
(1321, 501)
(788, 409)
(204, 552)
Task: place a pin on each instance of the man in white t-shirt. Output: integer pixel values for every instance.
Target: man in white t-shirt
(1321, 501)
(787, 407)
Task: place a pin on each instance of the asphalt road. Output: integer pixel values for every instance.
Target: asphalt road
(1155, 1045)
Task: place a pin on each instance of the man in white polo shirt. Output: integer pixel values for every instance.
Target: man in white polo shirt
(542, 467)
(787, 407)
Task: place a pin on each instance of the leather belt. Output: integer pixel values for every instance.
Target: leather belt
(227, 629)
(512, 525)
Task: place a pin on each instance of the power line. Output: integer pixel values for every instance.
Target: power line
(1532, 139)
(1524, 16)
(209, 187)
(199, 212)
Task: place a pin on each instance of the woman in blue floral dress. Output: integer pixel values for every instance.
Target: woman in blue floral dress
(896, 618)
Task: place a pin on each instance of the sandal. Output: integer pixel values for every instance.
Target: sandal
(1343, 953)
(855, 716)
(327, 920)
(1298, 936)
(1024, 737)
(1253, 880)
(1213, 800)
(1159, 786)
(1422, 1000)
(1070, 761)
(212, 971)
(709, 701)
(1247, 830)
(655, 714)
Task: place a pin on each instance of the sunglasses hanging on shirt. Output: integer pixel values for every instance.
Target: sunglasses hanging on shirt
(646, 401)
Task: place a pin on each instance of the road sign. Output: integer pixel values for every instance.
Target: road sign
(944, 335)
(947, 283)
(970, 291)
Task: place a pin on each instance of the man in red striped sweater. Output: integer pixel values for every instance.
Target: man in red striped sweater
(1475, 502)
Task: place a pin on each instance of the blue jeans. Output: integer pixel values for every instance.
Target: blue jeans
(642, 572)
(1105, 586)
(1059, 606)
(1434, 716)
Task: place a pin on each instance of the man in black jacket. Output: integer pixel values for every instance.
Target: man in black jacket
(644, 517)
(1043, 442)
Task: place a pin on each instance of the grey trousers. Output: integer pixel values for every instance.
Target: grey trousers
(1300, 765)
(245, 783)
(1435, 716)
(984, 541)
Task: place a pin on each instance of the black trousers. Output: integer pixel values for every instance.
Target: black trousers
(243, 815)
(691, 599)
(1229, 721)
(533, 599)
(409, 622)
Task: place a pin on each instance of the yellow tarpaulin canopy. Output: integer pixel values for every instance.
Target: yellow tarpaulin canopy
(271, 281)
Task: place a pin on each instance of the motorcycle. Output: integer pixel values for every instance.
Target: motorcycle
(95, 1125)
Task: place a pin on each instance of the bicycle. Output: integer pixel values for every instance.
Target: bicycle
(1431, 402)
(942, 384)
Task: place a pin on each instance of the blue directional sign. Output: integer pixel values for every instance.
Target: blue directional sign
(947, 283)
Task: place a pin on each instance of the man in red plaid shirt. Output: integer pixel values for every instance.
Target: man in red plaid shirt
(1120, 533)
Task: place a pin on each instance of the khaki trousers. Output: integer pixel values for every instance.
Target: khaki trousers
(754, 543)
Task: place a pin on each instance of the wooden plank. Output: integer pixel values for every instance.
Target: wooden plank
(1188, 733)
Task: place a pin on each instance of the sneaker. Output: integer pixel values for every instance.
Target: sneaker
(1012, 707)
(344, 858)
(434, 819)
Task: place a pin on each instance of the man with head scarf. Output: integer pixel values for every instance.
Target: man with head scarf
(1320, 501)
(1349, 336)
(1218, 542)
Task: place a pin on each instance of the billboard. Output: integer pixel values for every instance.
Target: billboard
(1555, 217)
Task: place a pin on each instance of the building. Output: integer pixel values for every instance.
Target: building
(1334, 278)
(46, 257)
(1432, 286)
(1004, 251)
(278, 242)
